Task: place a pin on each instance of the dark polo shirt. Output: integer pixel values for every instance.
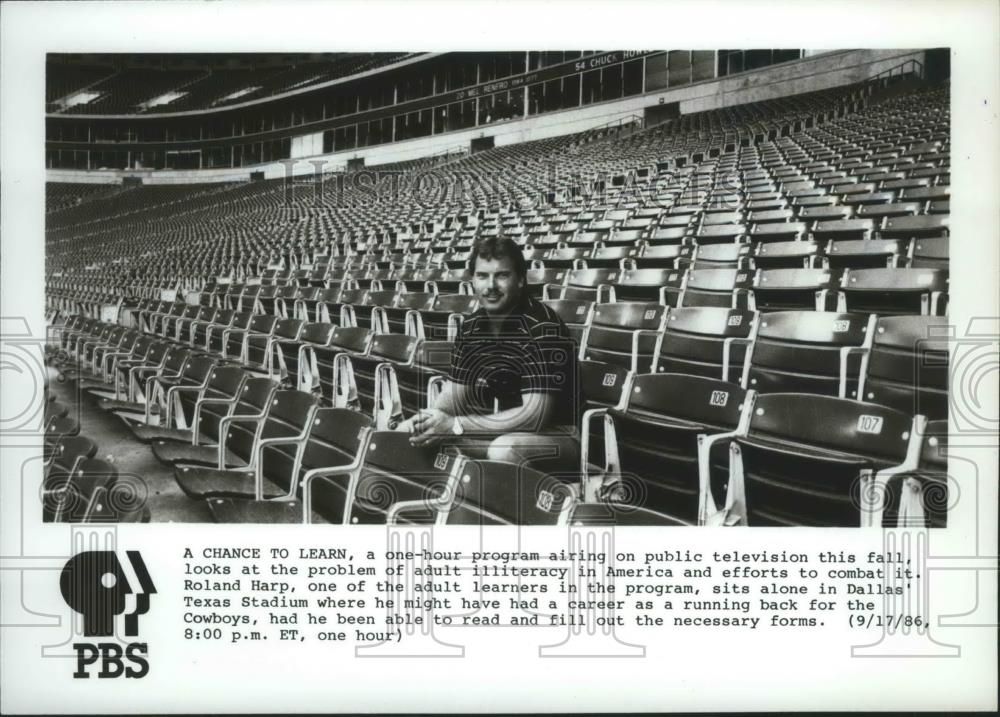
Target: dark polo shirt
(529, 351)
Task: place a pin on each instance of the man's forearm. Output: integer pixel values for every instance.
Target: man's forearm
(509, 421)
(531, 416)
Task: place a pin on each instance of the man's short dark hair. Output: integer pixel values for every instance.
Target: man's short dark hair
(499, 248)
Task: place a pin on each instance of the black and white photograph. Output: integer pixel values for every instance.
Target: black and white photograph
(320, 346)
(580, 292)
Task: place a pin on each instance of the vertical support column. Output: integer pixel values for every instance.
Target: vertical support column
(476, 111)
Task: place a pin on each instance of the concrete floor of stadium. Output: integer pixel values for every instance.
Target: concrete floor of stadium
(115, 443)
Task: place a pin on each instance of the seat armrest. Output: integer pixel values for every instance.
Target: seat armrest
(873, 487)
(727, 351)
(411, 507)
(345, 469)
(735, 508)
(591, 484)
(224, 425)
(258, 458)
(636, 335)
(845, 353)
(197, 414)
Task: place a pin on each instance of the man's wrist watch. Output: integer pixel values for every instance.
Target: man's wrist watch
(456, 427)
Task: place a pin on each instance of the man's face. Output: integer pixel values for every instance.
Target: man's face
(497, 284)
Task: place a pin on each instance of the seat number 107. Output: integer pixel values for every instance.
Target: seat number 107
(869, 424)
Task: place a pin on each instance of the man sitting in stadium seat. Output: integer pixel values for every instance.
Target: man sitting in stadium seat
(514, 354)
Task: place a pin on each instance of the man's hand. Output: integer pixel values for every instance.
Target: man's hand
(430, 426)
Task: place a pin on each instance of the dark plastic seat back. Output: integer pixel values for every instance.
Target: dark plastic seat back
(602, 383)
(908, 366)
(537, 278)
(694, 341)
(804, 456)
(800, 351)
(225, 384)
(893, 291)
(609, 337)
(73, 499)
(68, 450)
(715, 287)
(396, 471)
(431, 358)
(646, 285)
(254, 399)
(334, 440)
(780, 289)
(316, 333)
(494, 493)
(351, 340)
(658, 439)
(289, 414)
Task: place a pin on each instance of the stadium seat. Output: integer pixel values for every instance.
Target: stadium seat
(71, 497)
(163, 405)
(729, 288)
(584, 285)
(266, 444)
(284, 353)
(337, 439)
(865, 254)
(494, 493)
(705, 341)
(259, 350)
(908, 365)
(332, 376)
(443, 319)
(929, 253)
(650, 285)
(652, 444)
(211, 443)
(624, 334)
(918, 494)
(781, 289)
(804, 459)
(894, 291)
(808, 352)
(393, 472)
(575, 314)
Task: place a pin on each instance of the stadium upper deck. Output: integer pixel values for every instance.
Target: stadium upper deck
(189, 113)
(114, 85)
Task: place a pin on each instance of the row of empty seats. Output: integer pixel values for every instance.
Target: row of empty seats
(78, 486)
(645, 475)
